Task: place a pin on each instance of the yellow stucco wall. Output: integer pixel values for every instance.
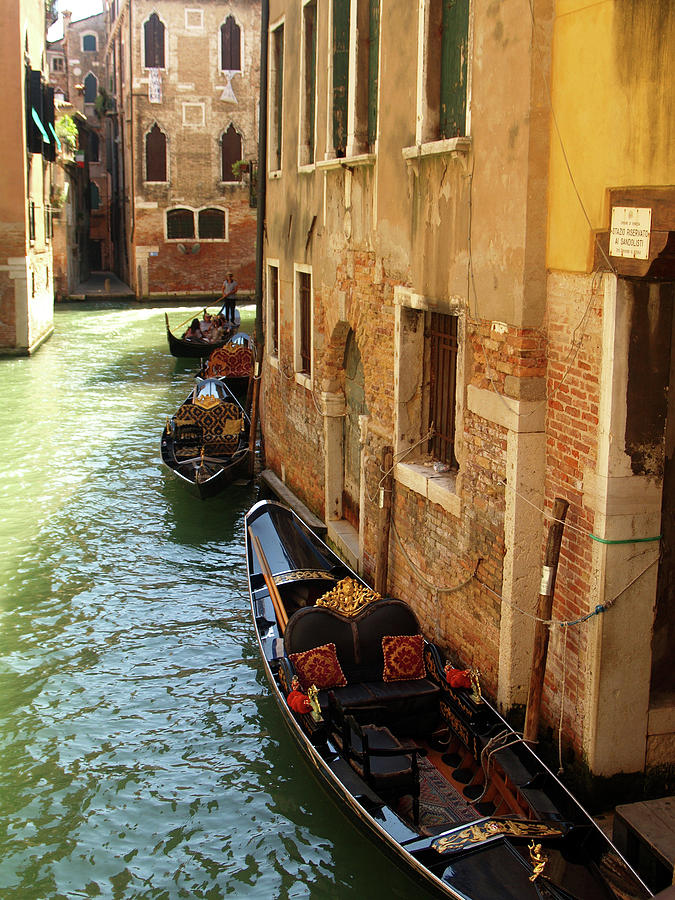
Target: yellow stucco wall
(612, 92)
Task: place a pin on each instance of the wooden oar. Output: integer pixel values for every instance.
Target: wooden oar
(278, 603)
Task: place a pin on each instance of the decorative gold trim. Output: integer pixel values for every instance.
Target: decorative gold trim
(303, 575)
(485, 831)
(348, 597)
(538, 860)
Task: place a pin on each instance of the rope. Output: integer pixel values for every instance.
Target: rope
(429, 584)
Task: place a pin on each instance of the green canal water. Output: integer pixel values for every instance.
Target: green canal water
(140, 756)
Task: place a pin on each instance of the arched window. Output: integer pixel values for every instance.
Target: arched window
(94, 195)
(155, 154)
(153, 33)
(89, 43)
(90, 88)
(212, 224)
(180, 224)
(230, 46)
(230, 146)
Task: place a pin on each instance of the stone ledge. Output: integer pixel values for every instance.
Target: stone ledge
(286, 495)
(438, 488)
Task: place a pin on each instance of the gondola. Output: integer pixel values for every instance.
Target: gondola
(413, 751)
(205, 443)
(233, 363)
(198, 349)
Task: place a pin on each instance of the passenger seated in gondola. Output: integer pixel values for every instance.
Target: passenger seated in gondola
(206, 326)
(194, 332)
(217, 329)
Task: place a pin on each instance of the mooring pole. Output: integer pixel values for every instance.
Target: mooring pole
(384, 521)
(544, 609)
(253, 428)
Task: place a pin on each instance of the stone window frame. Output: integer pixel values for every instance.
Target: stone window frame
(275, 129)
(410, 397)
(242, 68)
(144, 64)
(167, 158)
(428, 142)
(302, 378)
(273, 358)
(61, 61)
(307, 88)
(195, 210)
(187, 104)
(194, 11)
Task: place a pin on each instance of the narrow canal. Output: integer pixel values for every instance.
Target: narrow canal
(139, 754)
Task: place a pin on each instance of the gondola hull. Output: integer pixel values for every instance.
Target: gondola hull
(205, 445)
(197, 349)
(478, 856)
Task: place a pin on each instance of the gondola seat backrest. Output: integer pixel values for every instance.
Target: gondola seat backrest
(357, 639)
(220, 424)
(232, 360)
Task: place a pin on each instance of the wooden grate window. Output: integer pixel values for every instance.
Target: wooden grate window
(90, 88)
(441, 338)
(305, 310)
(230, 152)
(230, 45)
(340, 75)
(155, 154)
(212, 224)
(89, 43)
(180, 224)
(274, 311)
(153, 35)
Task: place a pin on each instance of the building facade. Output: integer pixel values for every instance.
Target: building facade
(27, 149)
(186, 82)
(428, 295)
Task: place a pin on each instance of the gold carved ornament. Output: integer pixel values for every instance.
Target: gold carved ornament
(348, 597)
(485, 831)
(538, 860)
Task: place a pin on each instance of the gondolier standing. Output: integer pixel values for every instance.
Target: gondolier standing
(229, 297)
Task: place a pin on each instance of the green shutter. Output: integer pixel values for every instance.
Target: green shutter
(340, 74)
(279, 38)
(454, 51)
(312, 81)
(373, 69)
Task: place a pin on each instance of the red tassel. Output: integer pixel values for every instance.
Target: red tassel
(298, 702)
(457, 678)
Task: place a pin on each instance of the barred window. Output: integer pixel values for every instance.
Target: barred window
(212, 224)
(180, 223)
(441, 340)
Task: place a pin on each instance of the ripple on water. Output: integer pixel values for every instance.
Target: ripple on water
(140, 755)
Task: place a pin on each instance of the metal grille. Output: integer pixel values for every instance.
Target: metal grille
(180, 223)
(304, 290)
(441, 336)
(212, 224)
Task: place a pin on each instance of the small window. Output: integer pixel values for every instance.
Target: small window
(89, 43)
(230, 146)
(305, 322)
(230, 46)
(212, 224)
(443, 111)
(90, 88)
(180, 224)
(441, 353)
(58, 64)
(273, 308)
(155, 154)
(94, 196)
(153, 34)
(93, 147)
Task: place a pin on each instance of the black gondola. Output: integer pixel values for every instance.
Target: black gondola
(432, 772)
(205, 443)
(198, 349)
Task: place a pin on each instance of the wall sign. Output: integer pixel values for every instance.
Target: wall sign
(630, 231)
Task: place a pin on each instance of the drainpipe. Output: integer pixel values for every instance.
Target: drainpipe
(132, 149)
(262, 176)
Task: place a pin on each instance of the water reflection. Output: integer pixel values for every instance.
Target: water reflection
(141, 755)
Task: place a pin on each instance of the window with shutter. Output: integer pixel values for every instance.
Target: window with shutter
(340, 74)
(309, 81)
(276, 97)
(273, 308)
(230, 46)
(90, 88)
(153, 33)
(89, 43)
(155, 154)
(230, 146)
(305, 322)
(441, 338)
(94, 195)
(454, 47)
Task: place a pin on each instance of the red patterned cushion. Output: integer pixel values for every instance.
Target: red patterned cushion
(319, 666)
(403, 657)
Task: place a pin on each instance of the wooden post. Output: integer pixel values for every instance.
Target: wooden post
(384, 521)
(253, 428)
(544, 609)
